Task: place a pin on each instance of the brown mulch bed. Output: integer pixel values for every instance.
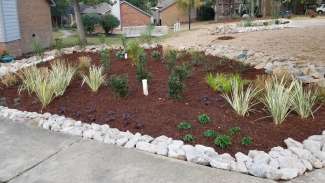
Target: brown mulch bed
(157, 115)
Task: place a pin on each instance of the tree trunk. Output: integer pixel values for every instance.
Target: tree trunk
(189, 16)
(216, 17)
(252, 8)
(79, 23)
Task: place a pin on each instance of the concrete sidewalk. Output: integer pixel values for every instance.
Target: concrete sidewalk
(32, 155)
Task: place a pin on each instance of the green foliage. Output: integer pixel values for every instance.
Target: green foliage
(222, 141)
(120, 55)
(102, 39)
(90, 21)
(119, 85)
(170, 59)
(28, 77)
(84, 64)
(204, 119)
(241, 100)
(58, 44)
(155, 55)
(105, 59)
(141, 70)
(95, 78)
(188, 138)
(246, 141)
(109, 23)
(60, 77)
(210, 133)
(124, 42)
(134, 51)
(184, 125)
(175, 87)
(197, 58)
(182, 71)
(233, 131)
(223, 82)
(303, 100)
(278, 99)
(247, 22)
(146, 36)
(37, 48)
(44, 90)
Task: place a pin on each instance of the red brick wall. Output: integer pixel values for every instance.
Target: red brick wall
(132, 17)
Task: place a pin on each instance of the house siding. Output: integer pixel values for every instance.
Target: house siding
(173, 14)
(9, 21)
(133, 17)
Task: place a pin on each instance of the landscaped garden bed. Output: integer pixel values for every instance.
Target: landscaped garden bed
(199, 115)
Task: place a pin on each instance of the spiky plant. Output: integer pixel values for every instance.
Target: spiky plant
(60, 77)
(29, 77)
(95, 78)
(240, 99)
(278, 99)
(303, 100)
(44, 88)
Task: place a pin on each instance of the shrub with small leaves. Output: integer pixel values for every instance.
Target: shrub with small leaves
(141, 70)
(222, 141)
(134, 51)
(155, 55)
(105, 60)
(246, 141)
(120, 55)
(210, 133)
(119, 85)
(175, 87)
(182, 71)
(204, 119)
(188, 138)
(197, 58)
(171, 59)
(184, 125)
(234, 131)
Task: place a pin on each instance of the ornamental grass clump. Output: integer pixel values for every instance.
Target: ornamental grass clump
(240, 99)
(29, 77)
(303, 100)
(84, 64)
(44, 89)
(95, 78)
(60, 77)
(223, 82)
(278, 99)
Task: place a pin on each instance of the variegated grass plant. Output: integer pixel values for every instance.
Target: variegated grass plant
(240, 99)
(95, 78)
(61, 76)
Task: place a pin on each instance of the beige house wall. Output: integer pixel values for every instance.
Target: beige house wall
(172, 14)
(35, 22)
(13, 48)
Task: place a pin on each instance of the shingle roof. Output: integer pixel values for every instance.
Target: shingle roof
(135, 7)
(163, 4)
(101, 8)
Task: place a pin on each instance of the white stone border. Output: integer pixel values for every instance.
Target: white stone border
(278, 164)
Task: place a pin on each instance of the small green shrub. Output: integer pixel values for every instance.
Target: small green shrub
(155, 55)
(222, 141)
(182, 71)
(204, 119)
(170, 59)
(135, 51)
(90, 21)
(119, 85)
(223, 82)
(124, 42)
(58, 44)
(188, 138)
(109, 22)
(246, 141)
(184, 125)
(120, 55)
(95, 78)
(146, 36)
(234, 131)
(175, 87)
(210, 133)
(105, 60)
(197, 58)
(141, 70)
(37, 48)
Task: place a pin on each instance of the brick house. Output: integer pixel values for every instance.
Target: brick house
(21, 21)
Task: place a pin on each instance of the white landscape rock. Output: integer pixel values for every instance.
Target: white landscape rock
(145, 146)
(175, 150)
(195, 155)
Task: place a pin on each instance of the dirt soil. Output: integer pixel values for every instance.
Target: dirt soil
(157, 115)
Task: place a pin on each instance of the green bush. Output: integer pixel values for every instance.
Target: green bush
(182, 71)
(37, 48)
(197, 58)
(90, 21)
(109, 23)
(141, 70)
(124, 42)
(105, 60)
(170, 59)
(134, 51)
(246, 141)
(175, 87)
(223, 82)
(155, 55)
(184, 125)
(210, 133)
(204, 119)
(188, 138)
(233, 131)
(146, 36)
(222, 141)
(58, 44)
(119, 85)
(120, 55)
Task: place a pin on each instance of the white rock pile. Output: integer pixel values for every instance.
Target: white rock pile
(278, 164)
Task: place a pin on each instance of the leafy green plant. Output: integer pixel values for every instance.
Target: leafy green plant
(141, 70)
(90, 21)
(58, 44)
(119, 85)
(109, 22)
(124, 42)
(105, 60)
(188, 138)
(170, 58)
(155, 55)
(223, 82)
(303, 100)
(246, 141)
(182, 71)
(134, 51)
(278, 99)
(95, 78)
(210, 133)
(37, 48)
(184, 125)
(44, 90)
(233, 131)
(120, 55)
(146, 36)
(247, 22)
(175, 87)
(197, 58)
(222, 141)
(60, 77)
(241, 100)
(204, 119)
